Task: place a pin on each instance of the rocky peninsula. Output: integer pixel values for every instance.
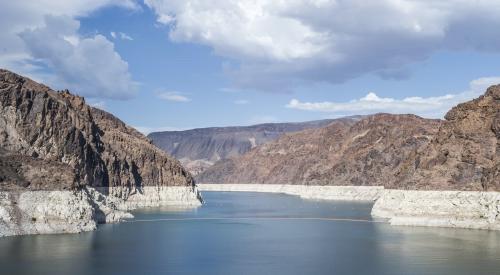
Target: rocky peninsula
(66, 166)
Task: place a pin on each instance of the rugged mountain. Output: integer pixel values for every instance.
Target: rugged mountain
(199, 149)
(366, 152)
(397, 151)
(53, 140)
(465, 153)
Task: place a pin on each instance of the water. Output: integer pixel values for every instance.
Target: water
(268, 236)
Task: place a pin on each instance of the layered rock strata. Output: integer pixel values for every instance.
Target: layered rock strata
(468, 209)
(198, 149)
(65, 166)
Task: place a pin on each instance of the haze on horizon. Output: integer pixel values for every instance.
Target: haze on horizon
(178, 64)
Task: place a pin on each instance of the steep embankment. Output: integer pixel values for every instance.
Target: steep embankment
(373, 151)
(199, 149)
(396, 151)
(55, 151)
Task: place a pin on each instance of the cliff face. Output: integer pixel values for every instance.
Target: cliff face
(52, 140)
(396, 151)
(465, 153)
(367, 152)
(199, 149)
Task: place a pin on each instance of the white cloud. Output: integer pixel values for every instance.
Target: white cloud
(174, 96)
(280, 44)
(434, 107)
(97, 104)
(241, 102)
(121, 35)
(125, 36)
(63, 59)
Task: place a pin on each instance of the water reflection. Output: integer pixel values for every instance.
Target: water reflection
(255, 246)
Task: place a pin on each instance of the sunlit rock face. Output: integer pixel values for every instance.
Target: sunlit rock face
(53, 140)
(65, 166)
(199, 149)
(395, 151)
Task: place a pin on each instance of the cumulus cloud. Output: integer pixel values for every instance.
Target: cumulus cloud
(434, 107)
(280, 44)
(174, 96)
(88, 66)
(40, 39)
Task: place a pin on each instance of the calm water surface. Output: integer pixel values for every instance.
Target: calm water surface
(272, 234)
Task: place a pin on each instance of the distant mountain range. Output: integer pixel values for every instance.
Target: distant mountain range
(199, 149)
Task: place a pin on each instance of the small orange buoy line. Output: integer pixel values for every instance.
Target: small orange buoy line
(260, 218)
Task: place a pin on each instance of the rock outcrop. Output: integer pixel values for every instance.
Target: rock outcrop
(455, 209)
(43, 124)
(465, 153)
(376, 150)
(469, 209)
(198, 149)
(395, 151)
(55, 151)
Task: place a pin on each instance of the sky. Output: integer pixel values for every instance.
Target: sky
(181, 64)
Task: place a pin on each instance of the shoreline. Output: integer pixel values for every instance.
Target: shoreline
(452, 209)
(75, 211)
(345, 193)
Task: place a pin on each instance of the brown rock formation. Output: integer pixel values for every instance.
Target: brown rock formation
(198, 149)
(53, 140)
(368, 152)
(397, 151)
(465, 154)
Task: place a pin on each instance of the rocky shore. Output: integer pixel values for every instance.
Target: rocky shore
(74, 211)
(66, 166)
(346, 193)
(458, 209)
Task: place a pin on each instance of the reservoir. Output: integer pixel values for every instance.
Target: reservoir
(255, 233)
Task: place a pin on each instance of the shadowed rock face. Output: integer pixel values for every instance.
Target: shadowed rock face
(199, 149)
(53, 140)
(396, 151)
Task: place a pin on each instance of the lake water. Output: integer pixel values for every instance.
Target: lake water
(255, 233)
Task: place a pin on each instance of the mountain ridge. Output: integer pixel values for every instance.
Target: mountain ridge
(199, 148)
(396, 151)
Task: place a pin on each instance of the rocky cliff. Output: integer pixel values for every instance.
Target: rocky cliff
(465, 153)
(41, 129)
(199, 149)
(57, 149)
(396, 151)
(373, 151)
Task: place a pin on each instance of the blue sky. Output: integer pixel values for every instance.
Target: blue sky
(163, 65)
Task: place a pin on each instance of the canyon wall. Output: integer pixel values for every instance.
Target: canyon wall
(198, 149)
(461, 152)
(56, 151)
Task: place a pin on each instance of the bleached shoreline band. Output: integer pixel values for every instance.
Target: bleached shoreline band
(456, 209)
